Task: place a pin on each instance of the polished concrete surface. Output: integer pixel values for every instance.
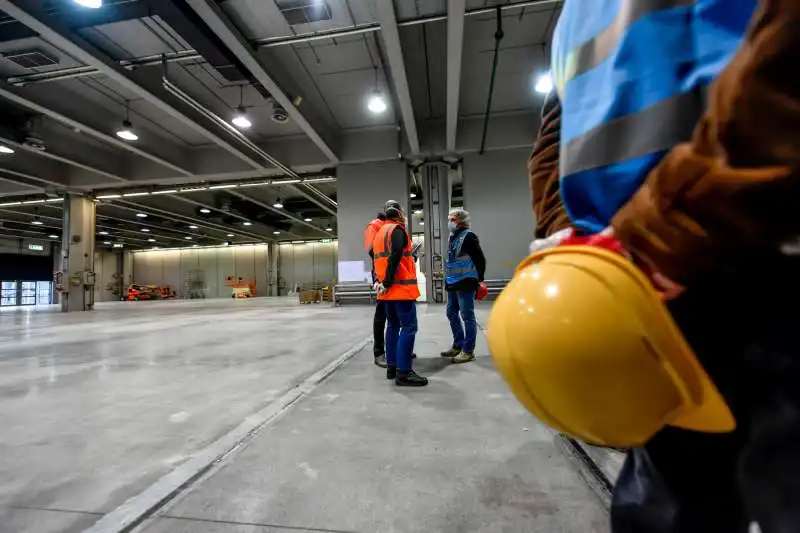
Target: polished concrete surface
(98, 407)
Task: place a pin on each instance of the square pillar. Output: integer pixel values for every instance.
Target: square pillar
(77, 251)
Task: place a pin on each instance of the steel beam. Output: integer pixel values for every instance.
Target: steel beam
(81, 50)
(219, 23)
(13, 96)
(281, 212)
(125, 204)
(455, 48)
(218, 210)
(394, 55)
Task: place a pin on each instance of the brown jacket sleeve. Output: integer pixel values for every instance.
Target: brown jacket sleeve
(543, 172)
(735, 188)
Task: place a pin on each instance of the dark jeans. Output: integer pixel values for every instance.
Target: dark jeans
(742, 324)
(462, 303)
(378, 328)
(401, 330)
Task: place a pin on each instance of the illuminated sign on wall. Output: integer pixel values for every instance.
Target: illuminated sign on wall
(36, 247)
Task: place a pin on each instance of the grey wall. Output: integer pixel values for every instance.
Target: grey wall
(497, 195)
(20, 246)
(107, 277)
(310, 264)
(362, 190)
(170, 267)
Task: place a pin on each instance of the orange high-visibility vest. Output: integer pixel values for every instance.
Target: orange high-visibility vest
(372, 229)
(404, 285)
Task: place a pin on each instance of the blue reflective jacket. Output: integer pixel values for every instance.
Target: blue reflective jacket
(631, 76)
(459, 267)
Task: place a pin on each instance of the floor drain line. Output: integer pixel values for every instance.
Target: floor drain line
(139, 508)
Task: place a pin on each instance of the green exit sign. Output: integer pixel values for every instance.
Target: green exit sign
(326, 241)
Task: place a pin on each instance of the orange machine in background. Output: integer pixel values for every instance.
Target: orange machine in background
(240, 288)
(150, 292)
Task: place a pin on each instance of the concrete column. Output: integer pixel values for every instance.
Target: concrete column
(436, 202)
(362, 191)
(78, 253)
(497, 196)
(272, 270)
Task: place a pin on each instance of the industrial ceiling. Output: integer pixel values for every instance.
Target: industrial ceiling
(134, 101)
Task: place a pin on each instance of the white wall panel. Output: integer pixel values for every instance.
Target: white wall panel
(171, 265)
(226, 261)
(262, 269)
(207, 262)
(245, 263)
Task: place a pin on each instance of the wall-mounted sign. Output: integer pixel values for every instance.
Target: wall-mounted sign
(326, 241)
(36, 247)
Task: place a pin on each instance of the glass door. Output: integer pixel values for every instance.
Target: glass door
(44, 292)
(8, 293)
(28, 293)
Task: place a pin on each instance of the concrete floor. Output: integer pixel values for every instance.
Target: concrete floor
(101, 411)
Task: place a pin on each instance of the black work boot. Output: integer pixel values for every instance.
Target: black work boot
(410, 379)
(391, 372)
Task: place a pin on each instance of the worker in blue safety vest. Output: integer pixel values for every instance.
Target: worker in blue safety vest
(675, 129)
(464, 271)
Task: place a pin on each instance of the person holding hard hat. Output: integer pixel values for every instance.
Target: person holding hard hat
(663, 319)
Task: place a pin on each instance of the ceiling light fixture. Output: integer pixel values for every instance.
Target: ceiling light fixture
(376, 103)
(37, 223)
(307, 219)
(192, 227)
(247, 223)
(53, 236)
(278, 204)
(6, 150)
(205, 210)
(107, 243)
(188, 238)
(231, 235)
(102, 233)
(92, 4)
(151, 240)
(544, 84)
(276, 232)
(240, 120)
(412, 195)
(328, 229)
(141, 215)
(145, 230)
(127, 133)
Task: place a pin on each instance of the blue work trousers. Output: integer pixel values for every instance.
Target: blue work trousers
(461, 306)
(401, 331)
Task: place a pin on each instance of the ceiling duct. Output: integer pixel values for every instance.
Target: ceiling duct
(299, 12)
(31, 58)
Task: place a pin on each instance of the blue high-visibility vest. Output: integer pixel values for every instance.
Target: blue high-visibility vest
(458, 266)
(632, 77)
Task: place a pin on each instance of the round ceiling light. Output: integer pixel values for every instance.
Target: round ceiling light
(241, 120)
(205, 210)
(141, 215)
(6, 150)
(307, 219)
(544, 84)
(278, 204)
(247, 223)
(127, 133)
(376, 103)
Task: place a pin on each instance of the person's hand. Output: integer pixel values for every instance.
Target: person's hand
(379, 288)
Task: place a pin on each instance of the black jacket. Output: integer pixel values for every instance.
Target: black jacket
(472, 248)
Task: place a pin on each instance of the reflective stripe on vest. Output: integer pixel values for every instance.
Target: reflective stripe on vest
(459, 267)
(404, 286)
(632, 76)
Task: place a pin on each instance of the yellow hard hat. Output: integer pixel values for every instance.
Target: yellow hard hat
(586, 344)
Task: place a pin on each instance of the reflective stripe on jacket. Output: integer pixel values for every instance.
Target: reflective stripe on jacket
(404, 284)
(631, 75)
(459, 267)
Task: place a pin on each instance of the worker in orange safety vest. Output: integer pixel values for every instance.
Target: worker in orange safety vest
(396, 286)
